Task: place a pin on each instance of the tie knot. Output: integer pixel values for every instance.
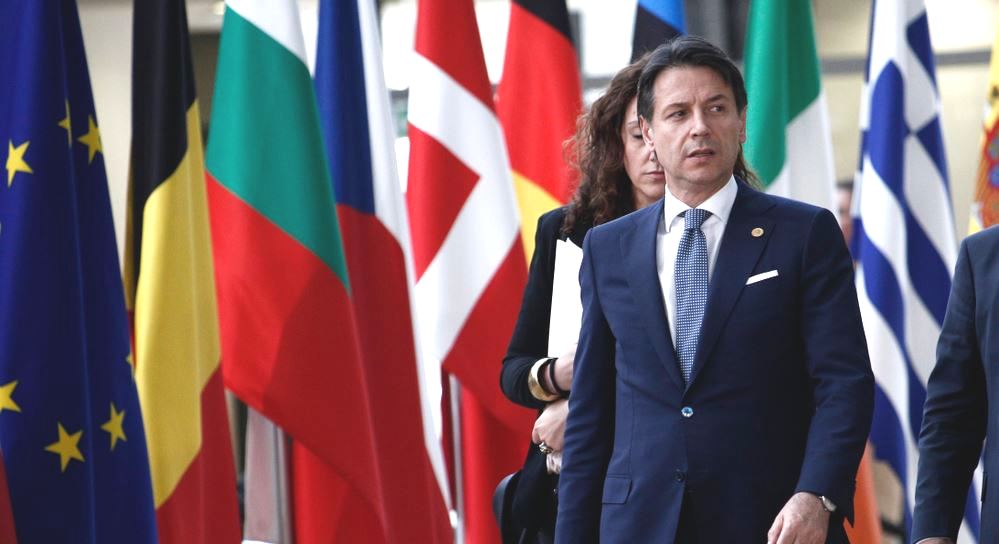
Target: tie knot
(694, 218)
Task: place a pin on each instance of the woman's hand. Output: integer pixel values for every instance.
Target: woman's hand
(550, 426)
(563, 370)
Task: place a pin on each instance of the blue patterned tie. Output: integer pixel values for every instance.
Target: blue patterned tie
(691, 288)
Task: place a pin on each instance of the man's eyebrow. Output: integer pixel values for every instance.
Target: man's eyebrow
(677, 104)
(684, 103)
(717, 97)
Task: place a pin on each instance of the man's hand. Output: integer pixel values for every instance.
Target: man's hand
(803, 520)
(550, 426)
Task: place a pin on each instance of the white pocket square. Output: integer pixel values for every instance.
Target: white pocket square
(761, 277)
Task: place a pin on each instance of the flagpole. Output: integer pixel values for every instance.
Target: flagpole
(458, 511)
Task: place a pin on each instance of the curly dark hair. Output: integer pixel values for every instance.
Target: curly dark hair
(597, 152)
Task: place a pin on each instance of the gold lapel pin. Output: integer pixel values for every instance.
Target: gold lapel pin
(757, 232)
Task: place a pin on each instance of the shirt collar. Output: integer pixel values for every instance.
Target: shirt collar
(719, 204)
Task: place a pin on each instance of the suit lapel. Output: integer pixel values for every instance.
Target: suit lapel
(638, 247)
(738, 254)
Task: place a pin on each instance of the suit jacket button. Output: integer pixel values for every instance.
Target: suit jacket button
(679, 475)
(687, 411)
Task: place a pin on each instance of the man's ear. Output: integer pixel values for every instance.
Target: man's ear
(646, 129)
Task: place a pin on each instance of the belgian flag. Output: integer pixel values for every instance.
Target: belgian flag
(538, 101)
(170, 289)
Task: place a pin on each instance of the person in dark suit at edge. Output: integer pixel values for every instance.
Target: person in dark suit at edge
(722, 389)
(617, 176)
(962, 387)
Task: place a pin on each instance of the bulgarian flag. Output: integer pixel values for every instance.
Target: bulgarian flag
(289, 341)
(788, 142)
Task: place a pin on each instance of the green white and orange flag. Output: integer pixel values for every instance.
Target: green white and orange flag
(289, 340)
(170, 290)
(788, 141)
(985, 206)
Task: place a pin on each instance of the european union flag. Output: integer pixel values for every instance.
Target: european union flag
(70, 424)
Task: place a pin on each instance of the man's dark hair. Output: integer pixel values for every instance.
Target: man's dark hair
(692, 51)
(688, 51)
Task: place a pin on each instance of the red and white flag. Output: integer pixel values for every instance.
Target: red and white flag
(467, 252)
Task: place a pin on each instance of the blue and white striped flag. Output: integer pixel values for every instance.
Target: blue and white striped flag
(904, 238)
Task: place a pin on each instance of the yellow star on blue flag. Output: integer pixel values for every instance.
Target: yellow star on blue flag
(63, 328)
(15, 161)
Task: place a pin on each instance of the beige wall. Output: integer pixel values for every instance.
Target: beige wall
(107, 35)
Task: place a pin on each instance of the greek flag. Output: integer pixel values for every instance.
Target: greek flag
(904, 240)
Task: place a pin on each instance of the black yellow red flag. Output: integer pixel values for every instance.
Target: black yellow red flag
(170, 289)
(538, 100)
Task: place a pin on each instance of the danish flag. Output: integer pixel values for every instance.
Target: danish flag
(467, 251)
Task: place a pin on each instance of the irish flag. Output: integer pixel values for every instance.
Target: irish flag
(788, 141)
(289, 342)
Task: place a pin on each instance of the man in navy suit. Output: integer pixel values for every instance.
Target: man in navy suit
(722, 388)
(961, 388)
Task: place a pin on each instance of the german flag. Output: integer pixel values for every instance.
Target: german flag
(538, 101)
(170, 289)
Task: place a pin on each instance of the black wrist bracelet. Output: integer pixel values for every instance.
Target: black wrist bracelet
(545, 366)
(551, 376)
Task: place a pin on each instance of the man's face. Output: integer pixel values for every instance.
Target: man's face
(696, 128)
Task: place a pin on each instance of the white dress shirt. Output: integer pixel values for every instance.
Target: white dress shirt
(671, 231)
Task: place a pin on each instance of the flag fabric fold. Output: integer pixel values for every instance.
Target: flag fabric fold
(467, 252)
(655, 22)
(788, 141)
(170, 289)
(904, 242)
(71, 428)
(985, 206)
(538, 101)
(359, 137)
(7, 531)
(789, 145)
(289, 340)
